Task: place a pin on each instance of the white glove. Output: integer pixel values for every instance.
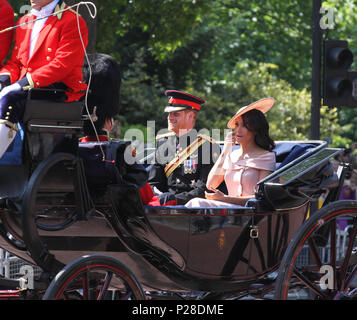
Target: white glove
(156, 191)
(15, 87)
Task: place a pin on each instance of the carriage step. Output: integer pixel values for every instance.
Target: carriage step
(10, 294)
(9, 284)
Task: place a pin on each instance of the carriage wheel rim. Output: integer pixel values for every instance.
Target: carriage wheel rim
(132, 285)
(318, 223)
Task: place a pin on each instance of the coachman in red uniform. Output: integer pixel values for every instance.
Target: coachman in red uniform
(7, 20)
(47, 53)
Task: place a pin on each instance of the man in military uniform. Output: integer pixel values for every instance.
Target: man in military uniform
(7, 19)
(183, 157)
(48, 53)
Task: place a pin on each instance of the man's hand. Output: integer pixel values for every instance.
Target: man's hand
(12, 88)
(156, 191)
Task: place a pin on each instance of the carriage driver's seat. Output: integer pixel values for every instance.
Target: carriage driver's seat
(48, 124)
(47, 127)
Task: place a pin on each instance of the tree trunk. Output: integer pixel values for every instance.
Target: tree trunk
(91, 23)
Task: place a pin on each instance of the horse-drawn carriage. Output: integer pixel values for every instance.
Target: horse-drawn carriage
(111, 246)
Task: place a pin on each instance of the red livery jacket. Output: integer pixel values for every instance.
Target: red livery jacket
(7, 20)
(57, 57)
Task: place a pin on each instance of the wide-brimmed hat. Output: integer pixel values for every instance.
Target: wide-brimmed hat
(262, 105)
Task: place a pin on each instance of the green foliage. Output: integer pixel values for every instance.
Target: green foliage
(289, 118)
(159, 26)
(270, 31)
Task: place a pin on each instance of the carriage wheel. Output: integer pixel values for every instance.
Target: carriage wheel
(49, 204)
(321, 260)
(95, 277)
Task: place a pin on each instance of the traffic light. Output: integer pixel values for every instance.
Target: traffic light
(339, 83)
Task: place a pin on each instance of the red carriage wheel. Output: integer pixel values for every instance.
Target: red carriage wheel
(95, 277)
(321, 261)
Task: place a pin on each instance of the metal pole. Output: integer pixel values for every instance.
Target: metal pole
(316, 71)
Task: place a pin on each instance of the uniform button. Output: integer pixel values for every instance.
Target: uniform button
(178, 180)
(49, 49)
(10, 107)
(29, 69)
(6, 118)
(7, 113)
(15, 48)
(37, 83)
(48, 58)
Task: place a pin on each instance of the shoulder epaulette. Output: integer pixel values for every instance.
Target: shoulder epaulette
(165, 135)
(203, 136)
(59, 10)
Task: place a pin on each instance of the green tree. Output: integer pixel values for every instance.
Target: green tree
(289, 118)
(269, 31)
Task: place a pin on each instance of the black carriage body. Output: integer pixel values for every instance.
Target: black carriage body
(170, 248)
(226, 249)
(167, 248)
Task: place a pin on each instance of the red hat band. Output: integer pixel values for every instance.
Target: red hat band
(185, 102)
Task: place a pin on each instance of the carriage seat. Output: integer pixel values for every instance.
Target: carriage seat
(44, 117)
(51, 126)
(287, 152)
(53, 117)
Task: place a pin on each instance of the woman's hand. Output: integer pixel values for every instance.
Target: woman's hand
(216, 175)
(215, 195)
(229, 140)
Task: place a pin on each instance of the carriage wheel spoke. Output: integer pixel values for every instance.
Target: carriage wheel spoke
(106, 282)
(333, 250)
(308, 283)
(352, 274)
(85, 284)
(314, 252)
(344, 267)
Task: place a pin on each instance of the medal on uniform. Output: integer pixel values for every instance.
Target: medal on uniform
(194, 165)
(190, 166)
(187, 166)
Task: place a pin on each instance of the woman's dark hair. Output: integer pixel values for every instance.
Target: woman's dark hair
(255, 121)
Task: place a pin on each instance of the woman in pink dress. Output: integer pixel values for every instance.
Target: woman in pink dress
(242, 168)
